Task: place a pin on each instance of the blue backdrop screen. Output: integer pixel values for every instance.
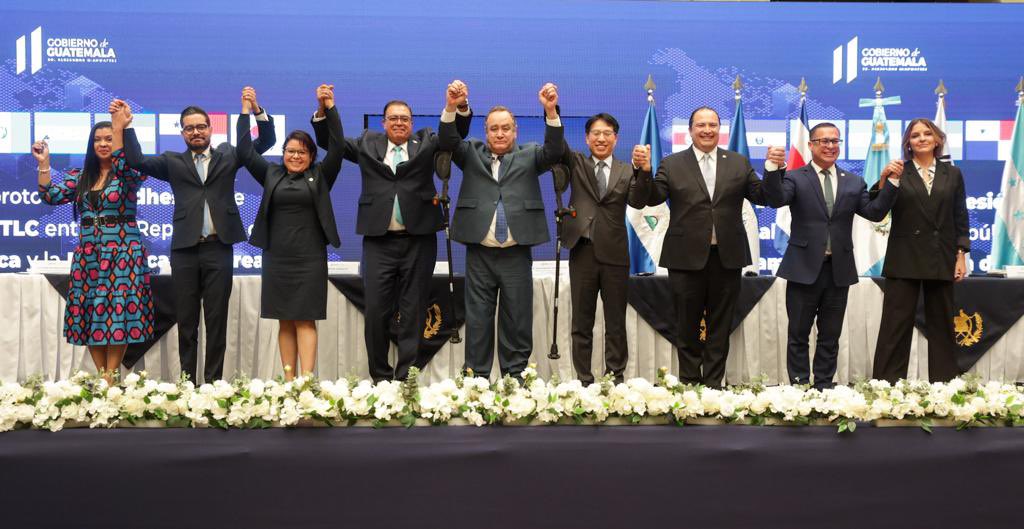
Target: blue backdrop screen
(61, 62)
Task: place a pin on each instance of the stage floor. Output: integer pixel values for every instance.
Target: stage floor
(563, 477)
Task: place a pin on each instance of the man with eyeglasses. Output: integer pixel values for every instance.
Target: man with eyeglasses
(206, 225)
(399, 222)
(819, 265)
(499, 216)
(602, 185)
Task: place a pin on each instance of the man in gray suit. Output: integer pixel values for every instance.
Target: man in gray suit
(499, 215)
(596, 237)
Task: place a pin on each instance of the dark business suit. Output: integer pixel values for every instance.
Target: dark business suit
(702, 275)
(397, 264)
(201, 269)
(598, 259)
(508, 270)
(927, 230)
(818, 278)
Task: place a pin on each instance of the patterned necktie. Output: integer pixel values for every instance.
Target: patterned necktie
(830, 201)
(500, 223)
(602, 179)
(207, 218)
(929, 178)
(397, 157)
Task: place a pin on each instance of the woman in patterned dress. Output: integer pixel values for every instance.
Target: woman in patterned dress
(109, 302)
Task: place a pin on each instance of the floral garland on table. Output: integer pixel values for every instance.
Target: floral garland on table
(87, 400)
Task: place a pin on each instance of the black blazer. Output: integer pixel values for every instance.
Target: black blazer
(319, 177)
(413, 183)
(693, 212)
(179, 169)
(927, 229)
(605, 215)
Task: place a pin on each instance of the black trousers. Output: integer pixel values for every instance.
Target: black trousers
(899, 308)
(714, 289)
(822, 302)
(397, 270)
(201, 275)
(588, 277)
(499, 277)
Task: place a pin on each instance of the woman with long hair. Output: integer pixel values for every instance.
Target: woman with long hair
(927, 251)
(109, 301)
(293, 226)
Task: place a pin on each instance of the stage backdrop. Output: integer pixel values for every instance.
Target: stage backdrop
(62, 61)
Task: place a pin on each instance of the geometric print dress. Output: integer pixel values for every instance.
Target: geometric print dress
(109, 297)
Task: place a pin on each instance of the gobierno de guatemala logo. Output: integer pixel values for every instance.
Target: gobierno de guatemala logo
(848, 62)
(29, 50)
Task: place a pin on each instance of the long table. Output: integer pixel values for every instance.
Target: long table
(32, 343)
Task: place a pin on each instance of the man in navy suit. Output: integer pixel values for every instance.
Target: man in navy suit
(819, 264)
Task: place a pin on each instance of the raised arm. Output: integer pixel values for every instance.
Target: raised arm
(254, 162)
(449, 136)
(321, 134)
(155, 166)
(655, 190)
(264, 125)
(51, 192)
(331, 165)
(554, 134)
(120, 119)
(778, 190)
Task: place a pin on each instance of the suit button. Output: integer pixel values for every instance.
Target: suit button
(917, 232)
(936, 232)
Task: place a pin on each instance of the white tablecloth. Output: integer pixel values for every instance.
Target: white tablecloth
(32, 343)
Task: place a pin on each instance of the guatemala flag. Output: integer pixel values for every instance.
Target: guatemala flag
(871, 238)
(1008, 236)
(646, 227)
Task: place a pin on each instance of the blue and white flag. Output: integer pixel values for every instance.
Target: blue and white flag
(871, 238)
(1008, 235)
(738, 143)
(646, 227)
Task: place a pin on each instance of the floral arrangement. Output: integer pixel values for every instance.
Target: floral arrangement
(86, 400)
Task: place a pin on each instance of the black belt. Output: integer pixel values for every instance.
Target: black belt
(209, 238)
(397, 233)
(106, 220)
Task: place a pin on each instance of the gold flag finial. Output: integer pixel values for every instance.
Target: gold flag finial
(737, 84)
(879, 87)
(1020, 85)
(941, 89)
(803, 86)
(649, 85)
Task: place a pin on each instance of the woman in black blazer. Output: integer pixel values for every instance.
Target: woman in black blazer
(926, 251)
(294, 225)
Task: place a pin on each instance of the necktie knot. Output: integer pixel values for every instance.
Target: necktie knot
(200, 157)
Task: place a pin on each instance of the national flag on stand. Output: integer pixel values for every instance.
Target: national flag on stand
(646, 227)
(870, 238)
(940, 120)
(799, 156)
(1008, 235)
(738, 143)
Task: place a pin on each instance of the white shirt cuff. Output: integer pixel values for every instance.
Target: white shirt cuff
(321, 118)
(771, 166)
(447, 117)
(557, 122)
(263, 116)
(894, 181)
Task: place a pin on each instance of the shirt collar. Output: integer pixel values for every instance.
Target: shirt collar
(817, 169)
(404, 146)
(206, 153)
(607, 161)
(700, 154)
(931, 168)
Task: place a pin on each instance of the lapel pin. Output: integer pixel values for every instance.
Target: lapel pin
(311, 179)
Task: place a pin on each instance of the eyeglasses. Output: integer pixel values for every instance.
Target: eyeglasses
(602, 133)
(398, 119)
(827, 142)
(195, 128)
(293, 152)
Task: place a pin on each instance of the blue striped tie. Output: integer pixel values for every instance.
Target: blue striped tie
(500, 223)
